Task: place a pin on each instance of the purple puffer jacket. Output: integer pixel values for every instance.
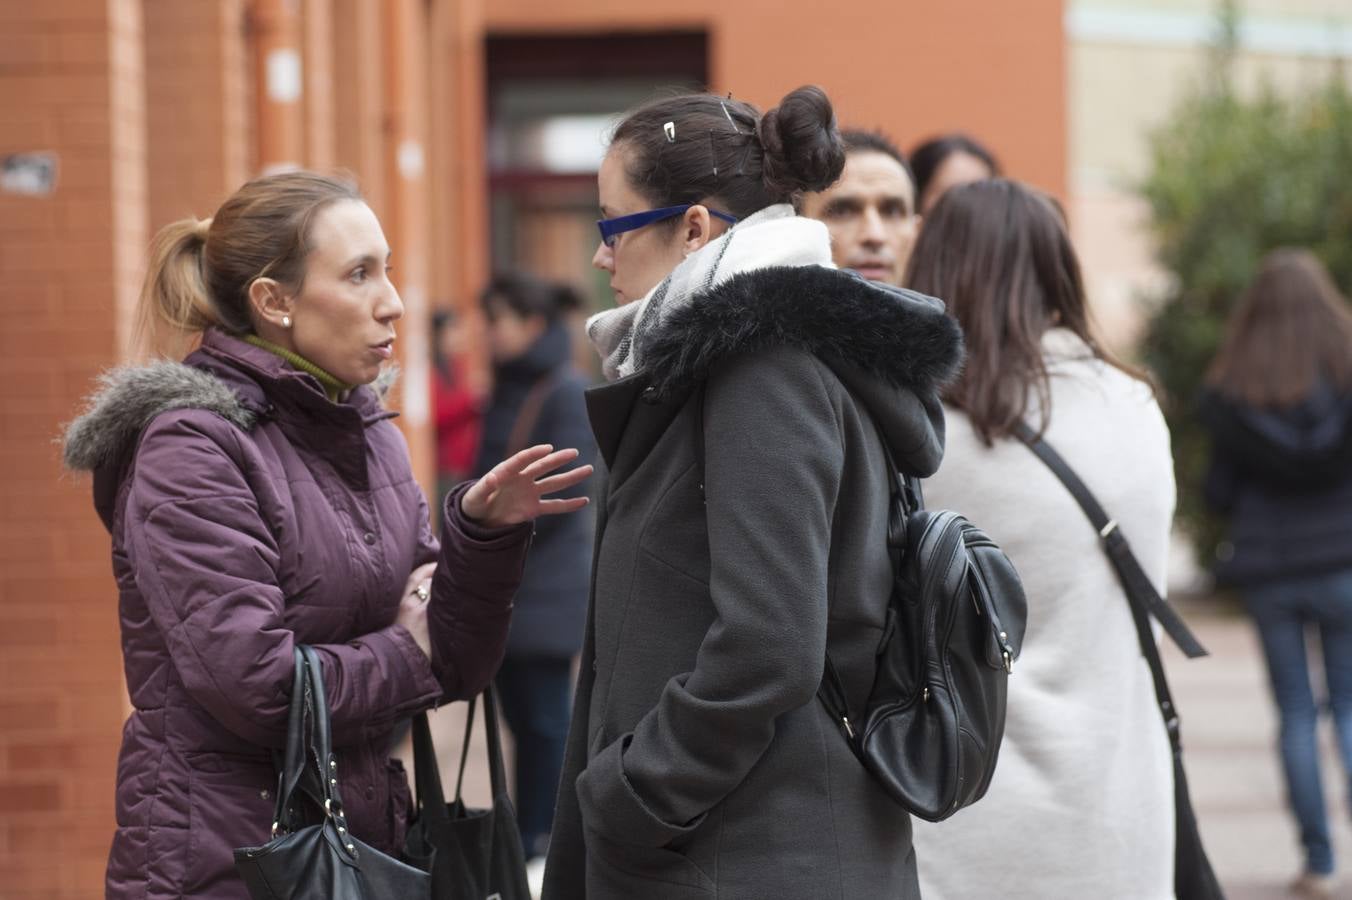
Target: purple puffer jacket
(248, 513)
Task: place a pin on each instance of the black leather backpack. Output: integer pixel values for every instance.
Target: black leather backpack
(930, 731)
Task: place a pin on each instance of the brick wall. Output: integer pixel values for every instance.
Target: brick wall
(152, 108)
(71, 83)
(196, 102)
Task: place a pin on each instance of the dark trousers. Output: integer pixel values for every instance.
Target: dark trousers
(536, 696)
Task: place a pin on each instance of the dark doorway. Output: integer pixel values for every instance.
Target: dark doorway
(552, 102)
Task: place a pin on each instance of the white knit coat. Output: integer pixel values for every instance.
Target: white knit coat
(1081, 804)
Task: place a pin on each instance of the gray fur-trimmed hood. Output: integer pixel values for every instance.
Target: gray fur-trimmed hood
(128, 398)
(902, 338)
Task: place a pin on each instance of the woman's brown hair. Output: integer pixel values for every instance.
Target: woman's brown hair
(1291, 330)
(998, 254)
(200, 270)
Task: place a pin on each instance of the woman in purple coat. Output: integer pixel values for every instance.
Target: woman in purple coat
(258, 496)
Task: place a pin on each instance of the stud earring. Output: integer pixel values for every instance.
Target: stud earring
(286, 321)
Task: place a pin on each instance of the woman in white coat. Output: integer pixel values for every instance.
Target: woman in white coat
(1081, 804)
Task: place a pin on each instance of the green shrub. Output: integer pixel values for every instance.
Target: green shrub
(1231, 177)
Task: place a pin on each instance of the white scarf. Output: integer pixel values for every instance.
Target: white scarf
(774, 236)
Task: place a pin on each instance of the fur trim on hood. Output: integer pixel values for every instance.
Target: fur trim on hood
(129, 397)
(904, 339)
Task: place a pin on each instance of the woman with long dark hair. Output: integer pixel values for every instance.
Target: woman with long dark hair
(1278, 404)
(1082, 803)
(743, 525)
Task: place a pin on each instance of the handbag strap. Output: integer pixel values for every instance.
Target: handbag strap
(1137, 584)
(497, 771)
(431, 799)
(1138, 598)
(321, 743)
(292, 764)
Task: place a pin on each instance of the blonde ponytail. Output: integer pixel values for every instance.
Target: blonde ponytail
(175, 304)
(201, 269)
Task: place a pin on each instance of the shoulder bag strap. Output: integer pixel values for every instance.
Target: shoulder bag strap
(1138, 600)
(1134, 580)
(529, 414)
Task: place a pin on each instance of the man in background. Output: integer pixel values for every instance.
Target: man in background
(870, 211)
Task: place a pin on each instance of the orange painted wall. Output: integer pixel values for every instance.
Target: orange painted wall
(996, 70)
(150, 105)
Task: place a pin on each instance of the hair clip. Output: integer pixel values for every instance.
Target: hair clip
(746, 155)
(669, 129)
(729, 115)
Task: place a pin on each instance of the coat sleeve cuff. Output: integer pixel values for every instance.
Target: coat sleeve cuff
(611, 807)
(417, 668)
(456, 520)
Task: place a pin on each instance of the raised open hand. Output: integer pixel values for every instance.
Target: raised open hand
(513, 491)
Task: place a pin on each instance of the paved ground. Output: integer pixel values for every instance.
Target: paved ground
(1229, 734)
(1228, 727)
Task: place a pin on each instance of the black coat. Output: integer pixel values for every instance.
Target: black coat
(1284, 479)
(700, 763)
(551, 604)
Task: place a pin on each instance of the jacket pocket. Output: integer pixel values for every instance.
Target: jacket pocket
(629, 870)
(229, 806)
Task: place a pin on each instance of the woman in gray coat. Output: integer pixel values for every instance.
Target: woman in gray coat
(742, 529)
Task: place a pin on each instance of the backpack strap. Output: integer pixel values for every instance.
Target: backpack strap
(1140, 592)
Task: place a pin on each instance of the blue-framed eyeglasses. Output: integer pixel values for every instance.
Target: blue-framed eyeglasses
(611, 229)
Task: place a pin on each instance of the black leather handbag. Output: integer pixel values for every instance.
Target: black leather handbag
(1194, 878)
(321, 861)
(472, 854)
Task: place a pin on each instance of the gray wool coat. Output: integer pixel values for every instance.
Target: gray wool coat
(700, 763)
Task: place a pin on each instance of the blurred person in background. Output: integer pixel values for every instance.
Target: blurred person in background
(1082, 801)
(870, 210)
(743, 525)
(258, 496)
(1278, 404)
(537, 398)
(944, 162)
(458, 396)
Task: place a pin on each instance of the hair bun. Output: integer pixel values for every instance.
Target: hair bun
(803, 150)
